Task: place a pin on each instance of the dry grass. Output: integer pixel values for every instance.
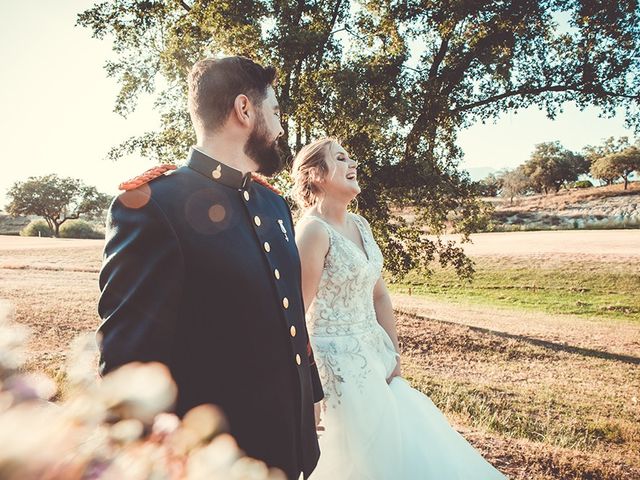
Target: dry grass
(53, 287)
(536, 410)
(554, 201)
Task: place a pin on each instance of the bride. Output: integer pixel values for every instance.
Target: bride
(376, 427)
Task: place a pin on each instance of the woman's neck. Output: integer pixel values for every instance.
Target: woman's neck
(332, 210)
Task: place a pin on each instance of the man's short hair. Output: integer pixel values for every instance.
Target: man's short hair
(214, 84)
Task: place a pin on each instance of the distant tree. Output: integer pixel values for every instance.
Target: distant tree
(489, 186)
(56, 199)
(617, 165)
(514, 182)
(615, 158)
(551, 166)
(603, 169)
(608, 146)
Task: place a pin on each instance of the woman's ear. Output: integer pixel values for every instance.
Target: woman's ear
(316, 178)
(242, 110)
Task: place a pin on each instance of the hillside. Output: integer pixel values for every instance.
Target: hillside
(596, 207)
(12, 226)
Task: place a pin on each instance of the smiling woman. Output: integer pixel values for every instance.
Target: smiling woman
(374, 424)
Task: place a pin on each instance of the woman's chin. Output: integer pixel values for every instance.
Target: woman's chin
(354, 190)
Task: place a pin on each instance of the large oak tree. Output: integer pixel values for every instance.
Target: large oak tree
(396, 80)
(56, 199)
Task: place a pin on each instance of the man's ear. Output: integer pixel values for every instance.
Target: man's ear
(243, 110)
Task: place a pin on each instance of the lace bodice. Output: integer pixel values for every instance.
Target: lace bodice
(373, 427)
(350, 346)
(344, 302)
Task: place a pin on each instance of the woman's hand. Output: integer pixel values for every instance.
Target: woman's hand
(317, 412)
(397, 372)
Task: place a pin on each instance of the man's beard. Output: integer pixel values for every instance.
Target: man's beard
(261, 150)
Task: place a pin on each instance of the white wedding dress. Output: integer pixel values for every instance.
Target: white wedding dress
(374, 430)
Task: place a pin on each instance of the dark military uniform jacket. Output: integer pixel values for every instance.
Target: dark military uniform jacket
(201, 272)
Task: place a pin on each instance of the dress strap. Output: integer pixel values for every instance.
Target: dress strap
(364, 231)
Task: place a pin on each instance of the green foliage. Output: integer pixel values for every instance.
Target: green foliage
(551, 166)
(56, 199)
(79, 229)
(395, 80)
(37, 228)
(582, 184)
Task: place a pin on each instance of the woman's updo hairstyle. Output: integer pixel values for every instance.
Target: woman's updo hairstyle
(309, 169)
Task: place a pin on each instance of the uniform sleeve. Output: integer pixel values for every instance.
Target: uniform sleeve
(318, 392)
(140, 282)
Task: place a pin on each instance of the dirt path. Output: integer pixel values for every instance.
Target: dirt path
(9, 242)
(607, 244)
(595, 336)
(624, 243)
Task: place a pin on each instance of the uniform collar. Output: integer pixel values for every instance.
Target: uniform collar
(217, 171)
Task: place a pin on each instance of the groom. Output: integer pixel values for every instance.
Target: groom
(201, 273)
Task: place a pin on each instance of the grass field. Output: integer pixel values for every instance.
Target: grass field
(543, 395)
(579, 287)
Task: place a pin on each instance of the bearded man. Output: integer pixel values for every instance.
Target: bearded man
(201, 273)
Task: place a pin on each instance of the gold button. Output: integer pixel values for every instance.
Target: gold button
(293, 330)
(217, 173)
(298, 359)
(267, 247)
(276, 273)
(285, 302)
(256, 220)
(246, 195)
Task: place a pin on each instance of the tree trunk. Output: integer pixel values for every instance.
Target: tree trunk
(298, 137)
(626, 181)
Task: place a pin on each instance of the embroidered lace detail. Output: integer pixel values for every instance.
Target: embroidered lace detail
(348, 343)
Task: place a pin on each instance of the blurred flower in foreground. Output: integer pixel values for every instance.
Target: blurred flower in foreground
(114, 429)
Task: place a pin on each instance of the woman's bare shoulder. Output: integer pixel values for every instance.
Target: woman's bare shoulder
(311, 232)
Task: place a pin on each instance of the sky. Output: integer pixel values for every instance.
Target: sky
(57, 108)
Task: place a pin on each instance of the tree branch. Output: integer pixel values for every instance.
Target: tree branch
(185, 6)
(332, 23)
(537, 91)
(437, 60)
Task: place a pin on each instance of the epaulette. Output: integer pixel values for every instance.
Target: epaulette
(146, 177)
(263, 181)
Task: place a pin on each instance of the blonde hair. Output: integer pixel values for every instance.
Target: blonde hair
(310, 167)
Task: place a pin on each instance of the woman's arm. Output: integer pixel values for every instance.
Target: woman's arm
(313, 244)
(384, 312)
(387, 319)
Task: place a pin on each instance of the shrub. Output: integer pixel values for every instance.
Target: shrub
(37, 228)
(583, 184)
(79, 229)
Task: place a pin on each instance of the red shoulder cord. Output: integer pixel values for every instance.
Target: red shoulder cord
(263, 181)
(146, 177)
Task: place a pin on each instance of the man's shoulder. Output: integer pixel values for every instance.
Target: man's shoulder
(147, 191)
